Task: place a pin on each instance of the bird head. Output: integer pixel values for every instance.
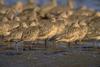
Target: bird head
(19, 7)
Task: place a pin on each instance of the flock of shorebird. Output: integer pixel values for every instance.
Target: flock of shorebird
(31, 22)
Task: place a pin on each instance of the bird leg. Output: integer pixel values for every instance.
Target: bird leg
(19, 46)
(46, 43)
(69, 44)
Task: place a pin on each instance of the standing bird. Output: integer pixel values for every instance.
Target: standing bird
(77, 31)
(15, 39)
(19, 7)
(15, 34)
(70, 7)
(15, 10)
(85, 11)
(94, 28)
(31, 4)
(47, 8)
(5, 27)
(47, 30)
(30, 34)
(50, 28)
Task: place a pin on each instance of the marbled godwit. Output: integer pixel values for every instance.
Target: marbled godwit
(85, 11)
(56, 27)
(47, 30)
(31, 4)
(15, 38)
(19, 7)
(77, 31)
(62, 11)
(70, 7)
(98, 14)
(16, 29)
(5, 27)
(15, 34)
(61, 21)
(4, 9)
(47, 8)
(23, 33)
(13, 11)
(94, 28)
(30, 34)
(29, 16)
(51, 28)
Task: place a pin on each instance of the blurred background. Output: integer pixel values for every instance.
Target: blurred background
(95, 4)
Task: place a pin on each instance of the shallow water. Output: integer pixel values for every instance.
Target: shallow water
(38, 58)
(86, 55)
(68, 57)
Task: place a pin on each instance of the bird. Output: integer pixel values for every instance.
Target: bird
(5, 27)
(77, 31)
(15, 34)
(45, 29)
(30, 5)
(98, 14)
(30, 34)
(14, 10)
(84, 10)
(94, 31)
(19, 7)
(50, 28)
(47, 8)
(21, 35)
(70, 7)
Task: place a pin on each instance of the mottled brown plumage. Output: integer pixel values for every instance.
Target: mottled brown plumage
(77, 31)
(30, 34)
(47, 8)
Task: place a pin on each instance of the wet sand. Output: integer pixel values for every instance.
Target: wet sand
(64, 57)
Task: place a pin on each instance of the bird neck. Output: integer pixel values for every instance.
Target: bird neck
(70, 7)
(70, 4)
(19, 6)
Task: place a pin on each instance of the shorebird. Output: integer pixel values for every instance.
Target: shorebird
(47, 30)
(47, 8)
(4, 9)
(19, 7)
(76, 31)
(15, 34)
(30, 5)
(85, 11)
(94, 31)
(57, 25)
(98, 14)
(22, 34)
(30, 34)
(70, 7)
(29, 16)
(14, 10)
(5, 27)
(15, 38)
(50, 28)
